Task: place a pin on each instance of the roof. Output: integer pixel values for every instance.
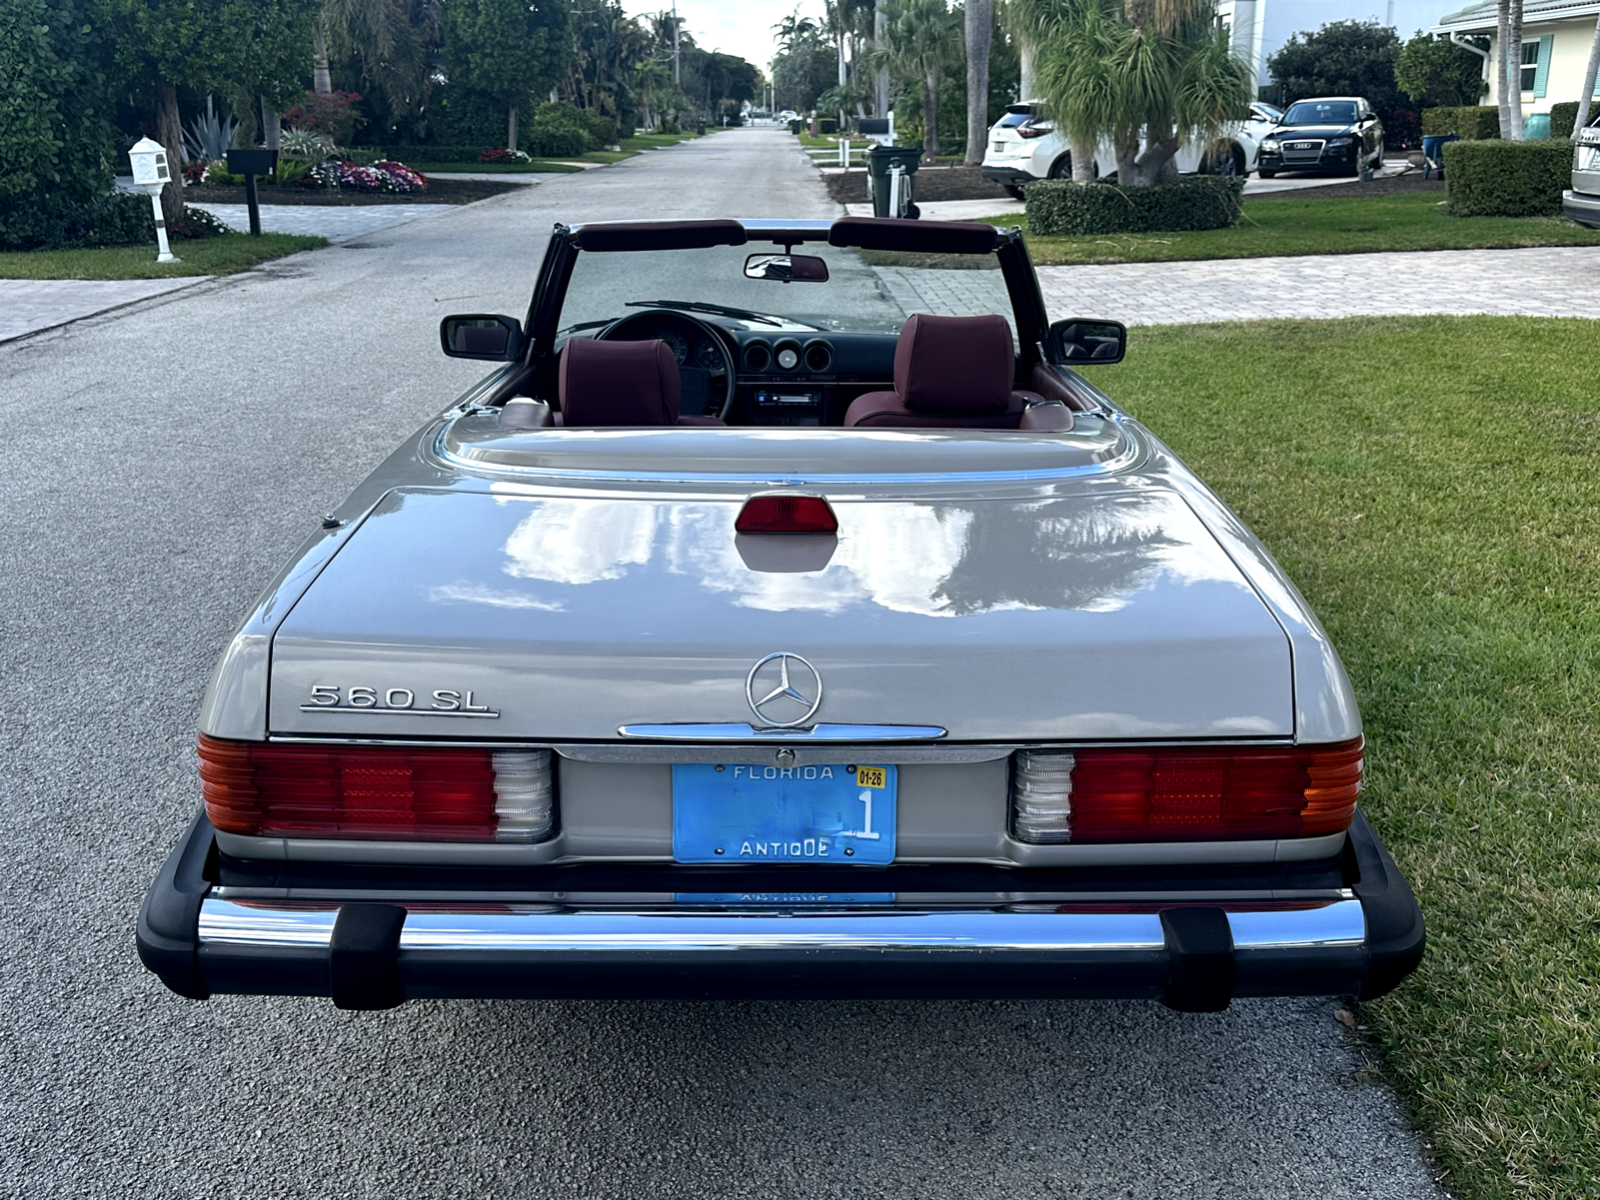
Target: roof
(1482, 14)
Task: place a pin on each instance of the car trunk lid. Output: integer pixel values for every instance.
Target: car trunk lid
(1104, 613)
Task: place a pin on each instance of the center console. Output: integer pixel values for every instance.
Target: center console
(780, 405)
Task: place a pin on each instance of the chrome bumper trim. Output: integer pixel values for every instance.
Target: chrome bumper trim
(739, 731)
(1340, 924)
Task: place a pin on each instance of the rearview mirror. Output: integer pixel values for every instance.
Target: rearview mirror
(481, 336)
(787, 268)
(1080, 342)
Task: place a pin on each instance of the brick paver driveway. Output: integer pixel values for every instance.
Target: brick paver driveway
(1561, 281)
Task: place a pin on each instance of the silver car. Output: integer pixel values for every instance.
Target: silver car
(756, 629)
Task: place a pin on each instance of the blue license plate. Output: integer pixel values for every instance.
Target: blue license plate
(733, 813)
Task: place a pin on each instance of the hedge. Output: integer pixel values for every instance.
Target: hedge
(1469, 121)
(1059, 208)
(1507, 179)
(1562, 118)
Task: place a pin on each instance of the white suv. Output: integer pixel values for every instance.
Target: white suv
(1024, 147)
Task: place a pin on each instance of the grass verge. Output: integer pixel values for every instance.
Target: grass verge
(548, 168)
(224, 255)
(1407, 221)
(1437, 503)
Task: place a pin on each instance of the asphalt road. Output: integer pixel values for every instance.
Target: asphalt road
(159, 464)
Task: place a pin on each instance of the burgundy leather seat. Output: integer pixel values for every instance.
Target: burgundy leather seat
(949, 373)
(621, 383)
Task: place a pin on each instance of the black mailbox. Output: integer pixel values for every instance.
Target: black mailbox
(252, 162)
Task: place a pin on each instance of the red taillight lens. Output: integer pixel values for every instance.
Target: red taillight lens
(1182, 794)
(786, 513)
(393, 793)
(1033, 131)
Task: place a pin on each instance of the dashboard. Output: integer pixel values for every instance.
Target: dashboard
(689, 345)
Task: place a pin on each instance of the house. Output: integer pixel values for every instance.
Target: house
(1556, 37)
(1261, 27)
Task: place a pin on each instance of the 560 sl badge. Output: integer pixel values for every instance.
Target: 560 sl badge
(444, 702)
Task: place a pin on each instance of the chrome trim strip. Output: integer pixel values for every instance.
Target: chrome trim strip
(684, 930)
(1108, 466)
(734, 732)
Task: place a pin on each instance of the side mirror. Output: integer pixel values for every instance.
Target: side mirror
(787, 268)
(478, 335)
(1080, 342)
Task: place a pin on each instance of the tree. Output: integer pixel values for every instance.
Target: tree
(1508, 67)
(507, 49)
(1145, 75)
(1343, 58)
(1589, 74)
(391, 44)
(979, 27)
(922, 39)
(1436, 71)
(162, 45)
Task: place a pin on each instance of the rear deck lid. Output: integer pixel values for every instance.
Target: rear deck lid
(1107, 614)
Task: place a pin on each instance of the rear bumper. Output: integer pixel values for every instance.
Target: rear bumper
(1361, 939)
(1006, 175)
(1581, 207)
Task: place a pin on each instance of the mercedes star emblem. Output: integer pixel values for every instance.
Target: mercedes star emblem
(780, 682)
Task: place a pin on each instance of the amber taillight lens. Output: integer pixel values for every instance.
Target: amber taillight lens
(391, 793)
(1171, 794)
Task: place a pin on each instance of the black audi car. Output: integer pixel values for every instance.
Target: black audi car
(1332, 133)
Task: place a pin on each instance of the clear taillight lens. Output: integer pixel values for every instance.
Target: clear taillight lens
(389, 793)
(1169, 794)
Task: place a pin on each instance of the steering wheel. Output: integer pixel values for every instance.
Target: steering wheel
(704, 391)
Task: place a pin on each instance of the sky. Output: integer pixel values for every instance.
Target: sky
(742, 27)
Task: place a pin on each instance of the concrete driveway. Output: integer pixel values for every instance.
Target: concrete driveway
(161, 464)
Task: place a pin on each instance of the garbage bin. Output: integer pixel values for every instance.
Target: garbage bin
(700, 127)
(1536, 126)
(1433, 153)
(879, 180)
(794, 126)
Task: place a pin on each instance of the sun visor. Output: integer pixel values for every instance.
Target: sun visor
(932, 237)
(660, 235)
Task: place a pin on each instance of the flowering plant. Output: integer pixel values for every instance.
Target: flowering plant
(195, 172)
(504, 156)
(330, 114)
(381, 176)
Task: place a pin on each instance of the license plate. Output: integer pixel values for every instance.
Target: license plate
(734, 813)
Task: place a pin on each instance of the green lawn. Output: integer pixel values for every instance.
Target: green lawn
(1408, 221)
(209, 256)
(1430, 483)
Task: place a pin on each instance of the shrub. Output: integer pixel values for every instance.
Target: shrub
(602, 130)
(1063, 209)
(331, 115)
(1507, 179)
(502, 155)
(559, 131)
(1562, 117)
(120, 219)
(196, 223)
(381, 176)
(55, 139)
(1468, 121)
(442, 153)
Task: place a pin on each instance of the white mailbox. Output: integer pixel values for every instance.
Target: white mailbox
(151, 173)
(150, 170)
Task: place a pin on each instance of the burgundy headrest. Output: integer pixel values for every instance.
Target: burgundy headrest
(618, 383)
(954, 364)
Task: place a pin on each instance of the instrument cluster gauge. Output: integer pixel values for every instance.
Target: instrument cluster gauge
(788, 358)
(677, 343)
(705, 355)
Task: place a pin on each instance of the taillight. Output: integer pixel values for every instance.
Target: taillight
(786, 512)
(391, 793)
(1033, 131)
(1171, 794)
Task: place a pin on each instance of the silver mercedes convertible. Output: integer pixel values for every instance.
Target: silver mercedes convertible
(782, 616)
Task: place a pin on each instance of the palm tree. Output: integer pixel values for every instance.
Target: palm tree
(391, 38)
(922, 38)
(980, 27)
(1140, 73)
